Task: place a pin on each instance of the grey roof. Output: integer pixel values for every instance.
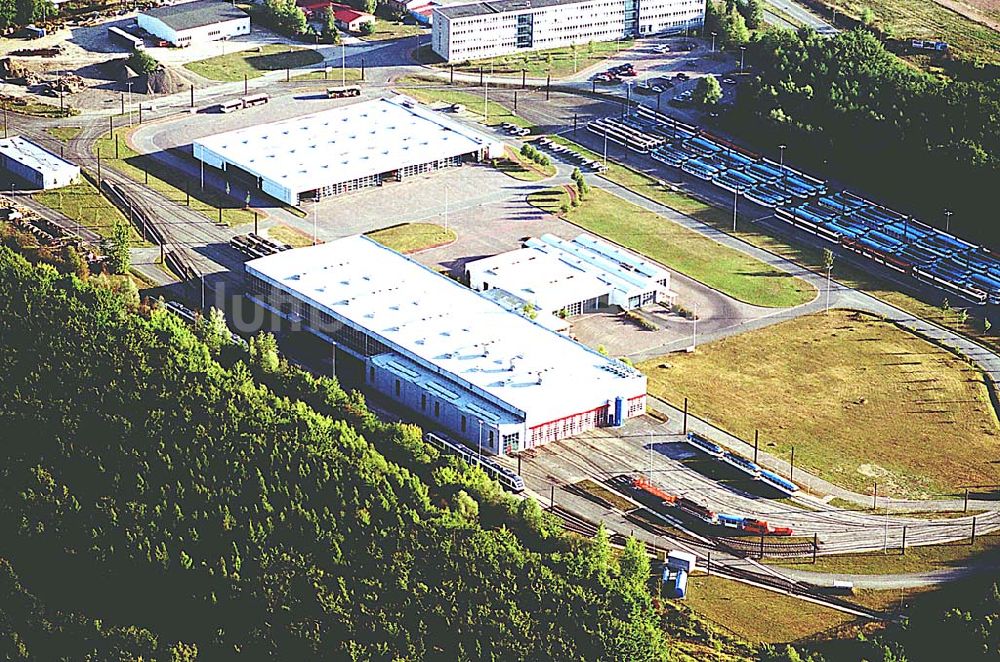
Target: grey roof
(499, 7)
(195, 14)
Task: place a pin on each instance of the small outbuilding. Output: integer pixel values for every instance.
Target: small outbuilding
(195, 22)
(37, 166)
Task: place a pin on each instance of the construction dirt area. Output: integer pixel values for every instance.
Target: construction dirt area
(89, 69)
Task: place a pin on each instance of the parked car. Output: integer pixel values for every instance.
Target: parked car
(682, 76)
(729, 81)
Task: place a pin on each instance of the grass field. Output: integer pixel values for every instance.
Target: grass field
(385, 30)
(916, 559)
(808, 257)
(64, 133)
(738, 606)
(860, 399)
(168, 183)
(288, 235)
(676, 247)
(559, 62)
(474, 104)
(520, 168)
(270, 57)
(83, 203)
(926, 19)
(412, 237)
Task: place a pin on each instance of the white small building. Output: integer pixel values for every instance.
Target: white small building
(195, 22)
(578, 276)
(503, 27)
(36, 165)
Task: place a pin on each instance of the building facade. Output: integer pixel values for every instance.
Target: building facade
(489, 29)
(37, 166)
(572, 277)
(195, 22)
(461, 363)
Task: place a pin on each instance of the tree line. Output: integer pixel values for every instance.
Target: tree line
(848, 107)
(171, 496)
(18, 13)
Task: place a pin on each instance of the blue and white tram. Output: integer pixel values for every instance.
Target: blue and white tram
(509, 479)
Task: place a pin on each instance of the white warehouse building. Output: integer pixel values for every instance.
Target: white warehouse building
(502, 27)
(36, 165)
(460, 362)
(578, 276)
(195, 22)
(344, 149)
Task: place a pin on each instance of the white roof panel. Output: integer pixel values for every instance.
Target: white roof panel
(447, 326)
(345, 143)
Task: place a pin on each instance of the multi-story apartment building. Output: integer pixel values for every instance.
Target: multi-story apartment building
(501, 27)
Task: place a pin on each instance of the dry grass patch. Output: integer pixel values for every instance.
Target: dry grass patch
(859, 398)
(738, 606)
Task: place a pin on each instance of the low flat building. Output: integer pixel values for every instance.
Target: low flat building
(472, 368)
(573, 277)
(344, 149)
(350, 19)
(195, 22)
(503, 27)
(37, 166)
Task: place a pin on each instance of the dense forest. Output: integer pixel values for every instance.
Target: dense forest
(847, 107)
(162, 498)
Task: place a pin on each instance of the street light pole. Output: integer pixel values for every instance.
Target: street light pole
(480, 438)
(343, 64)
(736, 198)
(650, 456)
(781, 149)
(713, 41)
(947, 220)
(743, 50)
(605, 150)
(694, 331)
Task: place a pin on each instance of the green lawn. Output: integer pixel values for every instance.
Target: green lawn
(385, 30)
(738, 607)
(811, 258)
(474, 104)
(916, 559)
(860, 400)
(559, 62)
(412, 237)
(725, 269)
(525, 170)
(270, 57)
(64, 133)
(169, 183)
(288, 235)
(927, 19)
(83, 203)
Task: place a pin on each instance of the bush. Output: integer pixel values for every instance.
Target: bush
(368, 29)
(142, 62)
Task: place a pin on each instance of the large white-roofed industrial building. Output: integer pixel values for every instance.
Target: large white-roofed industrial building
(573, 276)
(458, 360)
(344, 149)
(35, 165)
